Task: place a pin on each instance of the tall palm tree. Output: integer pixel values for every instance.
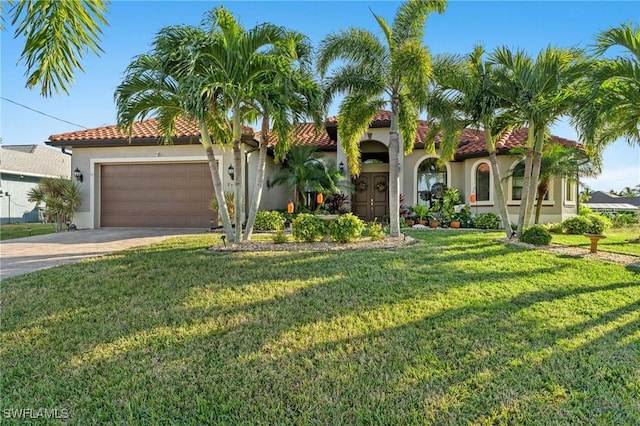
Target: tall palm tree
(393, 71)
(464, 95)
(558, 161)
(212, 75)
(58, 35)
(538, 93)
(611, 108)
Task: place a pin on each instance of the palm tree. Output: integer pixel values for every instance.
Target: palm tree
(304, 172)
(558, 161)
(538, 93)
(58, 35)
(463, 95)
(611, 109)
(284, 98)
(213, 75)
(60, 197)
(376, 73)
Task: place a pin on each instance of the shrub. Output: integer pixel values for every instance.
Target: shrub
(536, 235)
(486, 221)
(556, 228)
(584, 210)
(307, 227)
(375, 231)
(576, 225)
(599, 224)
(620, 220)
(279, 237)
(346, 228)
(268, 221)
(336, 203)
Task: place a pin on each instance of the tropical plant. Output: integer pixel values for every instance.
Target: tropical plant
(58, 35)
(538, 92)
(374, 73)
(420, 211)
(60, 197)
(558, 161)
(450, 199)
(213, 74)
(229, 198)
(465, 94)
(375, 231)
(303, 173)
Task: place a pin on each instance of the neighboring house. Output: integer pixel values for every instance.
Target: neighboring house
(22, 167)
(141, 182)
(603, 202)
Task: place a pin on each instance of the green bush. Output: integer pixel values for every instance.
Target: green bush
(346, 228)
(536, 235)
(307, 227)
(584, 210)
(576, 225)
(599, 224)
(556, 228)
(486, 221)
(375, 231)
(268, 221)
(279, 237)
(620, 220)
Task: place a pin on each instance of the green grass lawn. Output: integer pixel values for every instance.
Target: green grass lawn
(20, 230)
(456, 329)
(617, 241)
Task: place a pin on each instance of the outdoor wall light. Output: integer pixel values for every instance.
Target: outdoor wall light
(341, 167)
(231, 172)
(78, 174)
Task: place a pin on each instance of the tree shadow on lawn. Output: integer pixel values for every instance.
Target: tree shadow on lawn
(212, 327)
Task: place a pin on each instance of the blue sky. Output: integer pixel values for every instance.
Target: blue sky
(528, 25)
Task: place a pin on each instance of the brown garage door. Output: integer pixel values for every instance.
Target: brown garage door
(156, 195)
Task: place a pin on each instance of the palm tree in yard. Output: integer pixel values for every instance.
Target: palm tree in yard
(464, 95)
(217, 76)
(538, 93)
(393, 71)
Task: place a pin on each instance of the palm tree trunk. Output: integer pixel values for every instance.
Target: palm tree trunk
(237, 165)
(497, 181)
(217, 182)
(394, 170)
(257, 189)
(524, 199)
(543, 188)
(535, 175)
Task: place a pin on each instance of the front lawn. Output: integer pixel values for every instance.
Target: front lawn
(20, 230)
(617, 241)
(456, 329)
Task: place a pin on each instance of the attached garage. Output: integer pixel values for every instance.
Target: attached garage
(155, 195)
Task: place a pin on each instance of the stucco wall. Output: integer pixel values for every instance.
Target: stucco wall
(16, 208)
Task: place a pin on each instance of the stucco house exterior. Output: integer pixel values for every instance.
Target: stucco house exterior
(141, 182)
(22, 167)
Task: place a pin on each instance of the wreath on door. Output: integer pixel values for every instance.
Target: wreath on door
(361, 185)
(381, 186)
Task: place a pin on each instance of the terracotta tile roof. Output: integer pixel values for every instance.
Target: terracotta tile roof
(306, 134)
(383, 116)
(146, 129)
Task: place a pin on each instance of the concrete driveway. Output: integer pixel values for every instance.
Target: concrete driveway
(23, 255)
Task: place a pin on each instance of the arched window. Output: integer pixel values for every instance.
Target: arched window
(430, 177)
(483, 182)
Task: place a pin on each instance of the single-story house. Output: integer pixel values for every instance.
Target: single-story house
(141, 182)
(22, 167)
(603, 202)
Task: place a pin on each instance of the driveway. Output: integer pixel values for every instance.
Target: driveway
(24, 255)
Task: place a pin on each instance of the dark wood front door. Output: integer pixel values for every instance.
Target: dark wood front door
(370, 201)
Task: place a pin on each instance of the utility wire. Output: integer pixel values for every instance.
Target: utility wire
(45, 114)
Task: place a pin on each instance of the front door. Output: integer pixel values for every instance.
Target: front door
(370, 201)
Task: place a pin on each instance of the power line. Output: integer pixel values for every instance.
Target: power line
(43, 113)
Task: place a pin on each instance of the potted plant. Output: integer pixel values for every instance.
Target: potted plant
(421, 211)
(450, 199)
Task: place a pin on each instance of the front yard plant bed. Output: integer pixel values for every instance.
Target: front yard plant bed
(456, 329)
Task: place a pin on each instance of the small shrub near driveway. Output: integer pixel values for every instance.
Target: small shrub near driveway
(536, 235)
(307, 227)
(346, 227)
(486, 221)
(269, 221)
